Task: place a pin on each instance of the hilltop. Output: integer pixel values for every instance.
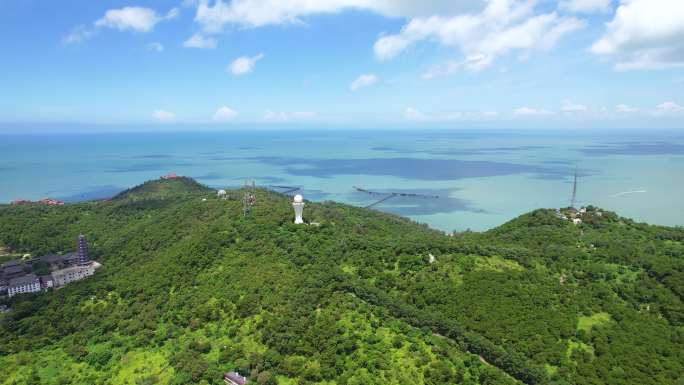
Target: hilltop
(163, 188)
(190, 288)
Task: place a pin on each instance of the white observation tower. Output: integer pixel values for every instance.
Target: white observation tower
(298, 205)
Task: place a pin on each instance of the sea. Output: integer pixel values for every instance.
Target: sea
(452, 180)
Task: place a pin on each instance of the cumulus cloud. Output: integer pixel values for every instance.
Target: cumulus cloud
(136, 19)
(569, 106)
(668, 109)
(199, 41)
(585, 6)
(282, 117)
(163, 116)
(78, 34)
(644, 34)
(155, 46)
(362, 81)
(244, 64)
(481, 29)
(503, 26)
(474, 63)
(529, 111)
(625, 109)
(257, 13)
(224, 114)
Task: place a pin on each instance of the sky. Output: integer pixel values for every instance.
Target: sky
(81, 65)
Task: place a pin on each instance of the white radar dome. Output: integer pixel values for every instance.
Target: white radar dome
(298, 198)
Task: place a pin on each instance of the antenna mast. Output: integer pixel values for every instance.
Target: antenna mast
(249, 198)
(574, 190)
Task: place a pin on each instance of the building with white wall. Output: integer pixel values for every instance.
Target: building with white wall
(28, 283)
(70, 274)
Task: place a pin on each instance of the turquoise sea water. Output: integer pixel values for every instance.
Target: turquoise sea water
(483, 178)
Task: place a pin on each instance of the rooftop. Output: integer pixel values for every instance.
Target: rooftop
(52, 258)
(14, 269)
(235, 377)
(11, 263)
(26, 279)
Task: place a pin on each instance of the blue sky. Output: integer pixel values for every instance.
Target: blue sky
(93, 65)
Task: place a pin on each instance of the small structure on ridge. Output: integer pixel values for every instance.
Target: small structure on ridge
(234, 378)
(171, 175)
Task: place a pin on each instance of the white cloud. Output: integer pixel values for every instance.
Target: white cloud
(155, 46)
(164, 116)
(668, 109)
(172, 14)
(138, 19)
(362, 81)
(281, 117)
(224, 114)
(644, 34)
(78, 34)
(199, 41)
(257, 13)
(625, 109)
(585, 6)
(481, 29)
(528, 111)
(569, 106)
(474, 63)
(244, 64)
(418, 116)
(448, 68)
(503, 26)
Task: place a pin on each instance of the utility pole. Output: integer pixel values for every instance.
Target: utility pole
(574, 190)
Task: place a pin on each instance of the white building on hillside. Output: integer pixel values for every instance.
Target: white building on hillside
(74, 273)
(26, 284)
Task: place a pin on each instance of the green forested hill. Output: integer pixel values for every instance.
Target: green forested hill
(189, 289)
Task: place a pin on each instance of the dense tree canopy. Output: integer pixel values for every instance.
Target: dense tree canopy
(189, 288)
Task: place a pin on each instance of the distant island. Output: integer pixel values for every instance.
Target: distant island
(194, 289)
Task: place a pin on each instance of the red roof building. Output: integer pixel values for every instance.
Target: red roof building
(171, 175)
(51, 202)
